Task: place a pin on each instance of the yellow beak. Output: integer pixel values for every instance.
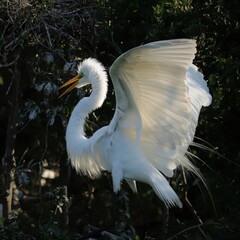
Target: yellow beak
(73, 81)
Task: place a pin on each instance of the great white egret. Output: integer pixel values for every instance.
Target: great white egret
(159, 94)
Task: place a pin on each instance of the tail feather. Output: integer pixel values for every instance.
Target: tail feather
(164, 191)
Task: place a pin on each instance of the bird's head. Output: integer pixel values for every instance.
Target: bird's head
(87, 72)
(76, 82)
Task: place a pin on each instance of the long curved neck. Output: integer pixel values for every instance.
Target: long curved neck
(85, 106)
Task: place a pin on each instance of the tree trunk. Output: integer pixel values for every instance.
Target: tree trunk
(9, 163)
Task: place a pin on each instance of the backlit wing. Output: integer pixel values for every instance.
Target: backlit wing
(159, 94)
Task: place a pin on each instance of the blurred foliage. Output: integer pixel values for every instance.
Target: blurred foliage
(46, 40)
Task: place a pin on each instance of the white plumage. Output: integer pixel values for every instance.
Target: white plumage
(159, 94)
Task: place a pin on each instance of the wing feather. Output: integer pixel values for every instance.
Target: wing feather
(158, 84)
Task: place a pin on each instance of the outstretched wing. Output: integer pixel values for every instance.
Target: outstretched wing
(159, 94)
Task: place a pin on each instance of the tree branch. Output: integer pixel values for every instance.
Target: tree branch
(9, 159)
(6, 65)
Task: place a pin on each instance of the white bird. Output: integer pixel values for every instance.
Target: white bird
(159, 94)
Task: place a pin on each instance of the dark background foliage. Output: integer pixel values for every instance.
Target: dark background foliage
(41, 43)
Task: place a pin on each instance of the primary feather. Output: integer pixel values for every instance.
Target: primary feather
(159, 94)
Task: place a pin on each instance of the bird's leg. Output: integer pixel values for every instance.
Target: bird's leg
(146, 220)
(115, 209)
(117, 176)
(165, 221)
(122, 215)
